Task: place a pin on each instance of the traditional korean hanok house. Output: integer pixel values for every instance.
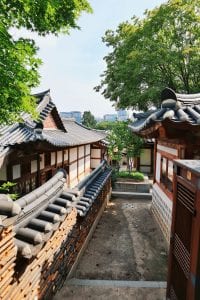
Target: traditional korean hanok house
(44, 230)
(175, 126)
(142, 163)
(87, 150)
(32, 151)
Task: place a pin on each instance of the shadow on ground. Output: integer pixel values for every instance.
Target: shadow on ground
(126, 245)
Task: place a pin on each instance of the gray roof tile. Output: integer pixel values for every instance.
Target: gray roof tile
(41, 211)
(177, 108)
(79, 134)
(70, 133)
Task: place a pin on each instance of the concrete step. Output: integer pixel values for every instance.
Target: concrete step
(83, 292)
(132, 195)
(116, 283)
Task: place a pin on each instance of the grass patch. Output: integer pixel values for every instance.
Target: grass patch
(137, 176)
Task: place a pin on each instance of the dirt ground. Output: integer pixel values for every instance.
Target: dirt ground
(126, 245)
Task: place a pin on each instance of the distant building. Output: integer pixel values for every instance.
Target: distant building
(98, 119)
(110, 117)
(122, 115)
(72, 114)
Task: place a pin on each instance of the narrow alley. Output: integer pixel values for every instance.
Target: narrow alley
(126, 257)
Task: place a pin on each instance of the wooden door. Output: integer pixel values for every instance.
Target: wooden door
(180, 252)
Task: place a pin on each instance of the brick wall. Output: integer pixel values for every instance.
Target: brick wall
(41, 276)
(49, 122)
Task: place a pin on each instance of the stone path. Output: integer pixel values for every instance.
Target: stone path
(125, 259)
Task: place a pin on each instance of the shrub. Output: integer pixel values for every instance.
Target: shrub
(133, 175)
(6, 187)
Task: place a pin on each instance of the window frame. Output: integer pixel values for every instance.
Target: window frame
(165, 179)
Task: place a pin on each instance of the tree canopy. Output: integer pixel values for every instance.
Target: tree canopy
(121, 139)
(18, 60)
(105, 125)
(148, 54)
(88, 119)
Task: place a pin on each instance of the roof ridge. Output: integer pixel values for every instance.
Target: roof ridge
(186, 99)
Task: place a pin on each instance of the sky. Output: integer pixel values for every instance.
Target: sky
(72, 64)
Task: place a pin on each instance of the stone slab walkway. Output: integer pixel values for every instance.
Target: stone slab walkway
(127, 247)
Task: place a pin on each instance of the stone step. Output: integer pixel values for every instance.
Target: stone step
(116, 283)
(132, 195)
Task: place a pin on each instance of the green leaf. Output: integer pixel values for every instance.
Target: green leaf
(148, 54)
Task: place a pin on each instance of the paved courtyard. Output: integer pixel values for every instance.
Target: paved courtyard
(126, 249)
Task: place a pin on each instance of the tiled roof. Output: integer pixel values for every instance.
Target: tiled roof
(69, 133)
(39, 213)
(176, 108)
(79, 134)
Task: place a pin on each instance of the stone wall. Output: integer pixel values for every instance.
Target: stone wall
(124, 185)
(162, 210)
(42, 275)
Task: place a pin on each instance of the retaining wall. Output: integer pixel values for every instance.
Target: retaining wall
(130, 186)
(41, 276)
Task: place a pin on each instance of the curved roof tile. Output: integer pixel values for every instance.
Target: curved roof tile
(175, 107)
(70, 133)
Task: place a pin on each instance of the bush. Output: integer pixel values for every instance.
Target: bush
(6, 187)
(133, 175)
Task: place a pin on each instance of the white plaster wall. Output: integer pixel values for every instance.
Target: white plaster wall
(145, 157)
(59, 156)
(3, 173)
(33, 166)
(81, 176)
(158, 166)
(81, 166)
(95, 153)
(73, 154)
(53, 158)
(16, 170)
(73, 182)
(65, 154)
(87, 149)
(95, 163)
(167, 149)
(41, 161)
(87, 163)
(81, 151)
(73, 171)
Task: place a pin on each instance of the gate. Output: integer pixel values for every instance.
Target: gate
(185, 233)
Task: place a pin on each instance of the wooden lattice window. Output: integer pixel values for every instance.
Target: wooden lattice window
(166, 176)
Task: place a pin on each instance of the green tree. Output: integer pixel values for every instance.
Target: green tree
(148, 54)
(121, 139)
(104, 125)
(88, 119)
(18, 61)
